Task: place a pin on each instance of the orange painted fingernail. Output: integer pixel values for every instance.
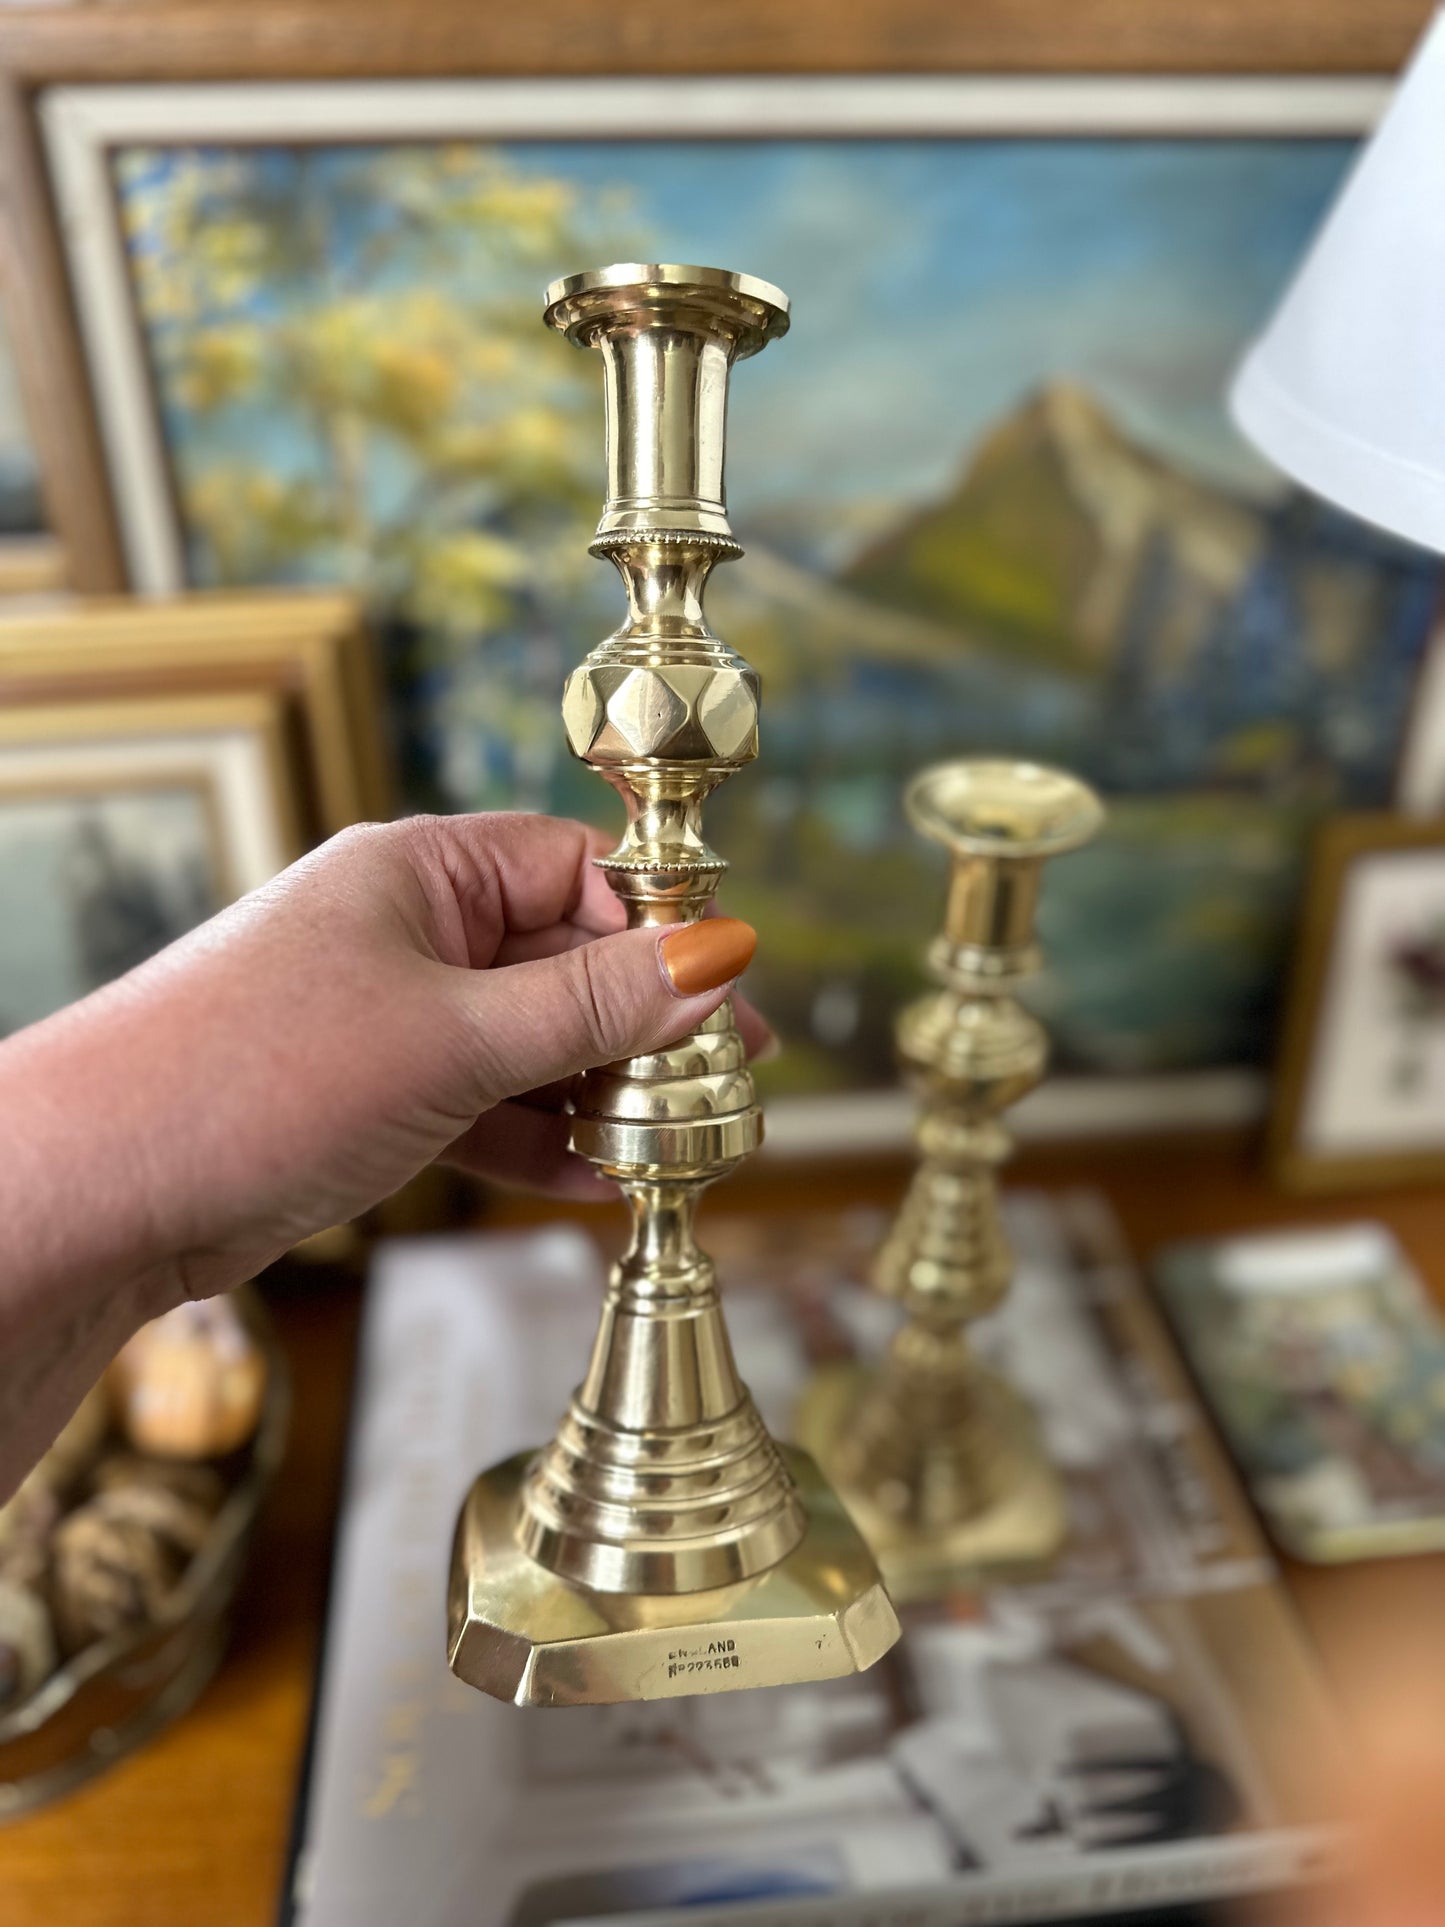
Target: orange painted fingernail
(700, 956)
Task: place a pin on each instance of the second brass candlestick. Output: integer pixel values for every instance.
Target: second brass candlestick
(938, 1460)
(661, 1543)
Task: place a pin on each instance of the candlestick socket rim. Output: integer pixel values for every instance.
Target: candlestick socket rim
(1003, 809)
(576, 304)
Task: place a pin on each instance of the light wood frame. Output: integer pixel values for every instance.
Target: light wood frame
(210, 40)
(1340, 843)
(31, 565)
(310, 647)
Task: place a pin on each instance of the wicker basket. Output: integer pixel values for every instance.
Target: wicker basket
(111, 1697)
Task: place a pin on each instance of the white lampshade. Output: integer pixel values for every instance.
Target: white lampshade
(1345, 390)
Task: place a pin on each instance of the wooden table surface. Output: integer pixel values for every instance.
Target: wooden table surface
(193, 1829)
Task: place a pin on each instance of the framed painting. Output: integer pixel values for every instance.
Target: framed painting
(125, 824)
(91, 41)
(988, 492)
(311, 648)
(1361, 1089)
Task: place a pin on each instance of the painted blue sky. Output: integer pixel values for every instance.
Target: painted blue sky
(934, 283)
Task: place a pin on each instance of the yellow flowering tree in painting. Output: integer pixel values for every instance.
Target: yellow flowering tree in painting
(347, 347)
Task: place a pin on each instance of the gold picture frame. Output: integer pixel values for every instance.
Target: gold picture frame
(311, 649)
(124, 823)
(1352, 1089)
(31, 565)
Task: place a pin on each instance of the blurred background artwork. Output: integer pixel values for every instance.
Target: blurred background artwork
(124, 826)
(157, 762)
(1324, 1362)
(98, 882)
(1002, 509)
(1361, 1087)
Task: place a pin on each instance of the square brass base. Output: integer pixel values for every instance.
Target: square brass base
(1014, 1538)
(517, 1631)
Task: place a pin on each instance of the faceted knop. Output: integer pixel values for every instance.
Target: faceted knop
(728, 714)
(647, 711)
(581, 710)
(675, 713)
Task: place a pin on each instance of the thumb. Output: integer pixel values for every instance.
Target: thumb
(618, 996)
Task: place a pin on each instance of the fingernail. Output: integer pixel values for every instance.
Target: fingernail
(700, 956)
(771, 1047)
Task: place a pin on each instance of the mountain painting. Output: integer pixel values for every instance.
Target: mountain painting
(990, 499)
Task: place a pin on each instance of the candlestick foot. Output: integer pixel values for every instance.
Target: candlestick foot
(518, 1631)
(1011, 1529)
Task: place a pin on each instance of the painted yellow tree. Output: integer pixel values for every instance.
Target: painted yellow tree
(347, 350)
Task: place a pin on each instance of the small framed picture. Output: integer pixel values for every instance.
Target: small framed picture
(1361, 1086)
(309, 647)
(125, 824)
(1420, 778)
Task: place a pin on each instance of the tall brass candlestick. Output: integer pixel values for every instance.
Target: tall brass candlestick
(662, 1544)
(938, 1460)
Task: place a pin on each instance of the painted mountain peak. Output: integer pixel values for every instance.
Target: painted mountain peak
(1044, 540)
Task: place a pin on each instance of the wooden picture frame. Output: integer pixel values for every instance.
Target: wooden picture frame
(187, 728)
(1420, 777)
(310, 648)
(43, 47)
(85, 130)
(1363, 977)
(30, 566)
(124, 823)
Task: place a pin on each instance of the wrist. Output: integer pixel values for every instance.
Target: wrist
(79, 1213)
(81, 1266)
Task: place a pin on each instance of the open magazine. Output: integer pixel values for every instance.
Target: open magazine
(1113, 1742)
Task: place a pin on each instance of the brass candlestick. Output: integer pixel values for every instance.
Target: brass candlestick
(939, 1461)
(662, 1544)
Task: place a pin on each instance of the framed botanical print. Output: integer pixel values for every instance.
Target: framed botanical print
(988, 491)
(1361, 1092)
(123, 825)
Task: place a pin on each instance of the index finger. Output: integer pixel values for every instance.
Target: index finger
(513, 872)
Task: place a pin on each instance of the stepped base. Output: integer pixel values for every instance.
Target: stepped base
(517, 1631)
(1015, 1536)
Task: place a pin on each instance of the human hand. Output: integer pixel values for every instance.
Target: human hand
(410, 991)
